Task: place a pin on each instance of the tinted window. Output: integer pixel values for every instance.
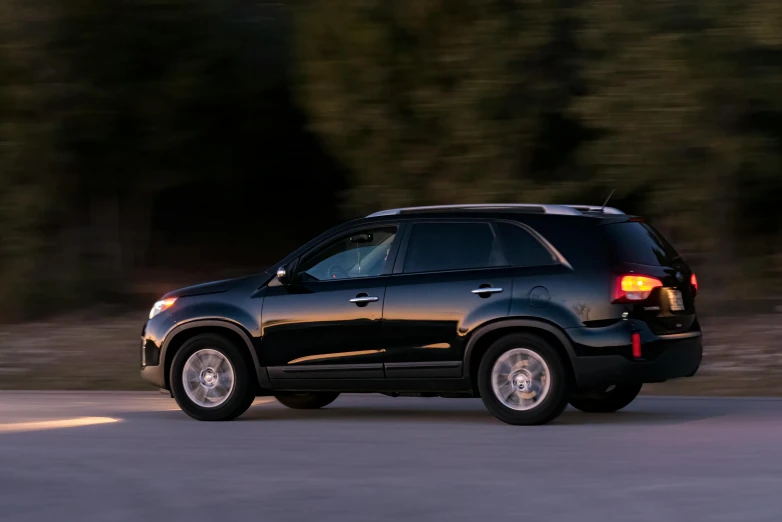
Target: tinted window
(521, 248)
(635, 242)
(451, 246)
(360, 254)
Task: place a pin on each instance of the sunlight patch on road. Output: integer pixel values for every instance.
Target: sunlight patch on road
(258, 402)
(17, 427)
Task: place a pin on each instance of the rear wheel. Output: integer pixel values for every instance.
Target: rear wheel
(522, 380)
(210, 380)
(308, 400)
(605, 399)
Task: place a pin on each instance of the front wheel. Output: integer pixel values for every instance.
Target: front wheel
(210, 380)
(522, 380)
(307, 401)
(606, 399)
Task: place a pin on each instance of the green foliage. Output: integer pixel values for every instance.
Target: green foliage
(105, 103)
(154, 88)
(28, 154)
(430, 101)
(687, 101)
(676, 105)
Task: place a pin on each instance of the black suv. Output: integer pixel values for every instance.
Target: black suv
(528, 307)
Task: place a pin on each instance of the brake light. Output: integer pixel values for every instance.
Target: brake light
(630, 288)
(694, 282)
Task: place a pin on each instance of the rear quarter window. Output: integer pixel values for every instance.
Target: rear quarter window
(578, 239)
(638, 243)
(522, 249)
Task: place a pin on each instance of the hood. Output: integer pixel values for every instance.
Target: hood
(214, 287)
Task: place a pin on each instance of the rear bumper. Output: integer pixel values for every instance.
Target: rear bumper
(663, 358)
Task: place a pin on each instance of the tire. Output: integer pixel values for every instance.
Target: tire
(606, 399)
(308, 400)
(230, 398)
(509, 352)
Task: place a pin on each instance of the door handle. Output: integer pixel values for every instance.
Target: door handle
(364, 299)
(487, 290)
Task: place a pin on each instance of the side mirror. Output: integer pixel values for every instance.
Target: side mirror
(283, 276)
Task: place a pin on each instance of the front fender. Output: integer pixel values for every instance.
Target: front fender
(201, 309)
(262, 375)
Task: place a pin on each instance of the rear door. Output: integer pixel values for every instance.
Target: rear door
(637, 248)
(450, 276)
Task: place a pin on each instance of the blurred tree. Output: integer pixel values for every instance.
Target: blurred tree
(161, 92)
(433, 101)
(29, 156)
(677, 93)
(103, 105)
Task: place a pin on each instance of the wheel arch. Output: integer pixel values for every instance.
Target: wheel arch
(186, 331)
(487, 334)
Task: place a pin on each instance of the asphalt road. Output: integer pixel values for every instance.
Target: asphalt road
(133, 456)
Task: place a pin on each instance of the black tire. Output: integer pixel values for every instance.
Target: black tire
(555, 401)
(307, 400)
(606, 399)
(238, 400)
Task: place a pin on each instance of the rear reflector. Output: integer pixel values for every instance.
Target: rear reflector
(637, 345)
(694, 282)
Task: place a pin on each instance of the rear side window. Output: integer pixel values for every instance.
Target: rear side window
(435, 247)
(639, 243)
(522, 249)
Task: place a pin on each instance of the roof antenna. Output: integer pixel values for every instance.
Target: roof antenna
(607, 200)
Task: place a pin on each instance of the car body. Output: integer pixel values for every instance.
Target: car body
(413, 301)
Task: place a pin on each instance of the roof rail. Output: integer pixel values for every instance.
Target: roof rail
(569, 210)
(597, 209)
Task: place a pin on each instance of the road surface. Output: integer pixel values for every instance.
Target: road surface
(109, 457)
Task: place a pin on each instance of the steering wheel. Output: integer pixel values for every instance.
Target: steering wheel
(337, 272)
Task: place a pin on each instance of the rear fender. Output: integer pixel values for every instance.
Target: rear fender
(520, 323)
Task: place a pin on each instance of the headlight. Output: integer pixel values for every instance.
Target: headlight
(161, 305)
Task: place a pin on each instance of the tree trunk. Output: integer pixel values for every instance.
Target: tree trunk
(136, 232)
(103, 239)
(724, 247)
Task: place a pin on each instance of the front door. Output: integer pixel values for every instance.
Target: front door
(327, 322)
(451, 276)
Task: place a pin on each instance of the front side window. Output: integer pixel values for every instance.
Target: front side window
(359, 254)
(435, 247)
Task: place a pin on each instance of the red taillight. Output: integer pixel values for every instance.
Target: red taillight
(637, 345)
(694, 282)
(630, 288)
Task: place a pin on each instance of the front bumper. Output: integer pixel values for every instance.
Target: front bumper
(663, 358)
(154, 376)
(152, 365)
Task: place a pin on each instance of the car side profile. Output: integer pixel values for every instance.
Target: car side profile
(529, 307)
